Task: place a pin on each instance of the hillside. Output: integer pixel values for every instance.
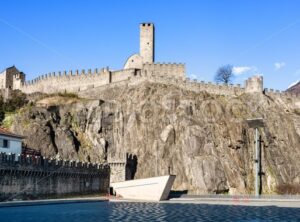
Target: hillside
(200, 137)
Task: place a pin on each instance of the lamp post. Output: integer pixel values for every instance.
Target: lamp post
(256, 123)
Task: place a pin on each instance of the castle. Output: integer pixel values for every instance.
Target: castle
(137, 64)
(141, 64)
(138, 67)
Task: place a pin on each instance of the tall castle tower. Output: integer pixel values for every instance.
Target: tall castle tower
(147, 42)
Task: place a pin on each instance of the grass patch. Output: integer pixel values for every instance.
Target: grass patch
(8, 120)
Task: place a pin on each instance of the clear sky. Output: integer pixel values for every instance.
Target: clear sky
(255, 36)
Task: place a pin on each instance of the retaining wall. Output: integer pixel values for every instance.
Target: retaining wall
(34, 177)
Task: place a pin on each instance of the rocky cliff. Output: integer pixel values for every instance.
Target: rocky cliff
(200, 137)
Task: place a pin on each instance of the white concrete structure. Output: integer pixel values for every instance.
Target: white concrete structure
(10, 143)
(153, 189)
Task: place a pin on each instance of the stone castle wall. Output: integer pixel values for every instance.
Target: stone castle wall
(188, 84)
(34, 177)
(75, 82)
(117, 164)
(164, 69)
(220, 89)
(122, 167)
(92, 81)
(67, 81)
(80, 81)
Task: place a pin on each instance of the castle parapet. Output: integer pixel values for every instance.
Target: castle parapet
(166, 69)
(55, 177)
(28, 161)
(67, 81)
(254, 84)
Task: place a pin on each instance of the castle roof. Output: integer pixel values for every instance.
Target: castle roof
(11, 67)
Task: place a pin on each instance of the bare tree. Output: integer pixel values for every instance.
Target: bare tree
(224, 74)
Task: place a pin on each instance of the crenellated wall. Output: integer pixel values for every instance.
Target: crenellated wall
(68, 81)
(165, 69)
(76, 81)
(199, 86)
(88, 82)
(187, 84)
(36, 177)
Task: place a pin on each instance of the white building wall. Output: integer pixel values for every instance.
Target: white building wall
(14, 145)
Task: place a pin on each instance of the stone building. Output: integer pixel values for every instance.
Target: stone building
(11, 78)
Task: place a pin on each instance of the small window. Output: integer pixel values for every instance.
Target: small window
(4, 143)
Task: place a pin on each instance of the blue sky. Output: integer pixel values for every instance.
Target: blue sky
(255, 36)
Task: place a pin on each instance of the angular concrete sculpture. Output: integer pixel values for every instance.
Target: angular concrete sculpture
(153, 189)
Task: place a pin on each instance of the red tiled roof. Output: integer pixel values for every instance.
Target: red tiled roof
(5, 132)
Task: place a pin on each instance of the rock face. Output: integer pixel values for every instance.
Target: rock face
(200, 137)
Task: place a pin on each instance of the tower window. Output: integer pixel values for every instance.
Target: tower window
(143, 24)
(149, 24)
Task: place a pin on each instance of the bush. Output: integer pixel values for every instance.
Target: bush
(17, 100)
(288, 188)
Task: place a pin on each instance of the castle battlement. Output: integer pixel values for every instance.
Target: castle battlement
(29, 161)
(167, 69)
(117, 158)
(47, 177)
(138, 68)
(68, 74)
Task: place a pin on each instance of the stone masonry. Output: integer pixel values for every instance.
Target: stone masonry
(32, 177)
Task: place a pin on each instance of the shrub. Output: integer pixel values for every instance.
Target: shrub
(17, 100)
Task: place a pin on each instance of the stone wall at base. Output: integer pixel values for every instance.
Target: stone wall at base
(33, 177)
(122, 167)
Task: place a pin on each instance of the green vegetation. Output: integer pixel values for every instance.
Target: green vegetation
(8, 120)
(10, 106)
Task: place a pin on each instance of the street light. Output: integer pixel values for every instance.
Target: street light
(256, 123)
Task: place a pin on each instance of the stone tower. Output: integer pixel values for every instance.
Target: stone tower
(147, 42)
(254, 84)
